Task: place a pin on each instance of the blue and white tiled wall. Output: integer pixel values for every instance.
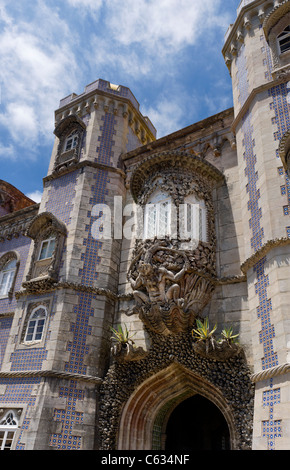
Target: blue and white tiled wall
(271, 429)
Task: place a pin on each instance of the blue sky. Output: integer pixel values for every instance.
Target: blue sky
(168, 52)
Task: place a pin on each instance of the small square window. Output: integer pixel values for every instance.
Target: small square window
(47, 248)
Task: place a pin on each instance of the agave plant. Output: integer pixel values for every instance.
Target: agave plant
(122, 335)
(228, 335)
(203, 332)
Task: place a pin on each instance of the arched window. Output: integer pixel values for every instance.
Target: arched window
(8, 426)
(36, 323)
(284, 40)
(157, 217)
(48, 234)
(193, 219)
(7, 275)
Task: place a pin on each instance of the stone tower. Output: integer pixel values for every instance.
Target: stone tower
(257, 53)
(70, 284)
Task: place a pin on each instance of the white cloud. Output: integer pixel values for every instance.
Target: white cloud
(36, 71)
(7, 152)
(35, 196)
(91, 4)
(166, 115)
(162, 24)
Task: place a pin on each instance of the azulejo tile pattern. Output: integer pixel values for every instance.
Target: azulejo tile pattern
(5, 326)
(69, 417)
(264, 309)
(271, 429)
(61, 196)
(78, 348)
(19, 390)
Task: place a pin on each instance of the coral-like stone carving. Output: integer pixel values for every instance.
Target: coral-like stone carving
(125, 352)
(168, 290)
(217, 350)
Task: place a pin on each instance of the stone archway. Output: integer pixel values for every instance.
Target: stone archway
(143, 416)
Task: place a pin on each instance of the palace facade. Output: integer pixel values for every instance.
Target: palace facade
(144, 303)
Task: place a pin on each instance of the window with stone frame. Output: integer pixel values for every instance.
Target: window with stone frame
(284, 40)
(160, 214)
(9, 265)
(8, 427)
(157, 216)
(70, 132)
(48, 234)
(36, 324)
(193, 219)
(276, 28)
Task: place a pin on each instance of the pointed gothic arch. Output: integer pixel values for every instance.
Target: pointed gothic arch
(147, 410)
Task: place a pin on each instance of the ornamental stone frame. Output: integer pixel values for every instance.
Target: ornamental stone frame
(133, 394)
(273, 25)
(171, 284)
(9, 256)
(65, 159)
(44, 272)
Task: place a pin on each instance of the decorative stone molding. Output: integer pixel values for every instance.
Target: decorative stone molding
(176, 161)
(42, 272)
(217, 350)
(41, 288)
(133, 393)
(170, 286)
(268, 246)
(50, 374)
(30, 307)
(64, 128)
(274, 23)
(274, 16)
(284, 149)
(9, 256)
(13, 226)
(126, 352)
(270, 373)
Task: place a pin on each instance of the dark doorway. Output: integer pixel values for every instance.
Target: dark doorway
(197, 424)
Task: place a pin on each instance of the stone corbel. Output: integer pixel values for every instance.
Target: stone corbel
(96, 103)
(234, 49)
(240, 36)
(261, 15)
(125, 111)
(106, 105)
(247, 23)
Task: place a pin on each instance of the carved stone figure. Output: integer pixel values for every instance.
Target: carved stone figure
(168, 292)
(154, 279)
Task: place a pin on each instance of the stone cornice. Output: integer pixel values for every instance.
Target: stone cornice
(203, 128)
(89, 101)
(82, 164)
(251, 97)
(41, 286)
(242, 23)
(36, 288)
(268, 246)
(51, 374)
(15, 224)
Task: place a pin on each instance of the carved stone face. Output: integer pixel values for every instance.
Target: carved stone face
(146, 269)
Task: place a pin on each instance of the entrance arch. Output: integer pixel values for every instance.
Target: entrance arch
(196, 424)
(147, 412)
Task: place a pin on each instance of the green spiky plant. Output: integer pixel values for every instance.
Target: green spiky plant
(228, 335)
(203, 332)
(122, 335)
